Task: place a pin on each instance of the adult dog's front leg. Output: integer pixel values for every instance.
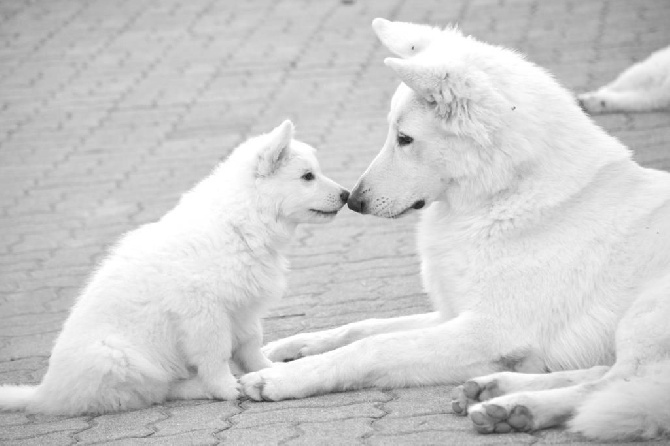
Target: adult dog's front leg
(450, 352)
(307, 344)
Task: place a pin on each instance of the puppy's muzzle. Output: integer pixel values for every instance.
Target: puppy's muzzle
(344, 196)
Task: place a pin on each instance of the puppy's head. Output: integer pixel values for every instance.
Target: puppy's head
(456, 118)
(289, 178)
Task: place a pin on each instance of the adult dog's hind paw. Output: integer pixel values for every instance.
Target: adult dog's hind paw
(493, 418)
(472, 392)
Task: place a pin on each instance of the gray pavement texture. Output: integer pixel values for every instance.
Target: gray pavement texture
(110, 109)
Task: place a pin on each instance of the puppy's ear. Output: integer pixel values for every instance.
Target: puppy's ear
(404, 39)
(462, 94)
(277, 148)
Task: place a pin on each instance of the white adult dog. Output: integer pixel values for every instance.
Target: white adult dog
(178, 299)
(645, 86)
(544, 248)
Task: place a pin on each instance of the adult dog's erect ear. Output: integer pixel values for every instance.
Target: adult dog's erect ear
(435, 83)
(404, 39)
(462, 94)
(277, 148)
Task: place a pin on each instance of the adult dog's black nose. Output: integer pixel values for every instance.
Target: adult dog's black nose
(344, 196)
(358, 200)
(357, 203)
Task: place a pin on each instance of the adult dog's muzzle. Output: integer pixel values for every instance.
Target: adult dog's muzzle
(357, 201)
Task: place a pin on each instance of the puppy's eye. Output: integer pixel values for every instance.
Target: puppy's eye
(404, 140)
(309, 176)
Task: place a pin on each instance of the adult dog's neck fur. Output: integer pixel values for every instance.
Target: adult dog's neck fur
(541, 185)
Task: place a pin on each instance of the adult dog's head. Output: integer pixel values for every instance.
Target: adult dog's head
(457, 120)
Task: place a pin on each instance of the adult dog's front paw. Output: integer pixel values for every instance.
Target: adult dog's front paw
(253, 386)
(296, 347)
(265, 385)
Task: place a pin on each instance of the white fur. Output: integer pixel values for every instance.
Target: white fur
(544, 247)
(177, 299)
(645, 86)
(635, 408)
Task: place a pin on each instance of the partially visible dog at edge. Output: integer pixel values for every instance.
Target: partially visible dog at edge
(644, 86)
(544, 248)
(176, 300)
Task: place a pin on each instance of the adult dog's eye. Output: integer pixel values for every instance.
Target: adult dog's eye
(404, 140)
(309, 176)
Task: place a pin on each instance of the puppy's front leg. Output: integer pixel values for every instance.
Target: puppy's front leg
(207, 345)
(451, 352)
(249, 356)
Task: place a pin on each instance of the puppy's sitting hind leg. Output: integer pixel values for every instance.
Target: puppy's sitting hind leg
(188, 389)
(208, 346)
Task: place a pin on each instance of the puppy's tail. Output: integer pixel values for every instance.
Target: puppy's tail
(16, 397)
(637, 408)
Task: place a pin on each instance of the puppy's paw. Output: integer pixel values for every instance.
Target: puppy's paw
(227, 390)
(593, 102)
(494, 418)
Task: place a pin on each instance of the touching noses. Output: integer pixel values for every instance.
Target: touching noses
(357, 201)
(344, 196)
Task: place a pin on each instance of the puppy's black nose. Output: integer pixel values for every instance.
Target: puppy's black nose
(344, 196)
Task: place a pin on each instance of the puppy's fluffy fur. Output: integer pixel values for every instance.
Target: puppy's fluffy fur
(177, 299)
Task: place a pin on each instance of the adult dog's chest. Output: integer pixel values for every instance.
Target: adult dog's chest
(470, 263)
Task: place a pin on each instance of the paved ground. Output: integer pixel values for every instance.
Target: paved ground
(110, 109)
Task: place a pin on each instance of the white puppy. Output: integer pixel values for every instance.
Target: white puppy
(645, 86)
(177, 299)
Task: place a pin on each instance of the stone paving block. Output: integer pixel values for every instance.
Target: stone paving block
(184, 416)
(31, 430)
(308, 414)
(138, 423)
(188, 437)
(335, 433)
(266, 434)
(57, 437)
